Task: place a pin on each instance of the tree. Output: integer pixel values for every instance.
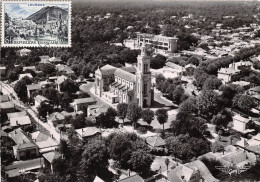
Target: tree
(12, 76)
(186, 147)
(188, 106)
(147, 115)
(21, 89)
(122, 110)
(65, 100)
(69, 86)
(177, 94)
(244, 102)
(162, 116)
(44, 108)
(140, 161)
(134, 112)
(107, 119)
(194, 60)
(217, 147)
(211, 165)
(207, 102)
(212, 83)
(120, 149)
(60, 166)
(94, 158)
(158, 61)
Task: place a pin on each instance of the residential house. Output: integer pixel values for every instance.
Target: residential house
(241, 64)
(16, 114)
(7, 107)
(24, 52)
(49, 158)
(78, 104)
(244, 84)
(238, 158)
(88, 132)
(227, 74)
(24, 75)
(21, 167)
(58, 117)
(40, 99)
(4, 98)
(95, 110)
(191, 172)
(21, 121)
(59, 81)
(44, 58)
(132, 178)
(173, 69)
(25, 147)
(155, 142)
(64, 69)
(55, 60)
(240, 124)
(44, 141)
(255, 94)
(2, 70)
(32, 89)
(33, 68)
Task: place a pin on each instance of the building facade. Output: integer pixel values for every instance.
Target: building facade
(126, 84)
(159, 42)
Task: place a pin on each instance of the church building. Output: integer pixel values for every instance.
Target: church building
(126, 84)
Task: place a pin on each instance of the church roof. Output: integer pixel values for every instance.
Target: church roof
(125, 75)
(130, 69)
(107, 69)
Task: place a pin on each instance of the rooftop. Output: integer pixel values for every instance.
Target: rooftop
(6, 105)
(4, 98)
(61, 79)
(33, 87)
(241, 119)
(50, 156)
(88, 131)
(16, 114)
(21, 120)
(134, 178)
(107, 70)
(125, 75)
(40, 98)
(84, 100)
(19, 136)
(155, 141)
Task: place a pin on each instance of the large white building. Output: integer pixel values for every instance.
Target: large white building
(159, 42)
(126, 84)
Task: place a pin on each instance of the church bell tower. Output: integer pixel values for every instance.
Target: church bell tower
(143, 78)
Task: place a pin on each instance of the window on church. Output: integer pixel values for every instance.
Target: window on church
(145, 88)
(145, 67)
(140, 67)
(138, 88)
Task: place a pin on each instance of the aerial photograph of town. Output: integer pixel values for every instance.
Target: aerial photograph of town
(148, 91)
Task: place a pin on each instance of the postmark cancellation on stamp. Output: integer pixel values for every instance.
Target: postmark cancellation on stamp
(36, 23)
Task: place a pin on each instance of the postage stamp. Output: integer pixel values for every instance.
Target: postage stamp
(37, 23)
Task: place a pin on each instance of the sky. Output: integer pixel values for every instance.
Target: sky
(23, 10)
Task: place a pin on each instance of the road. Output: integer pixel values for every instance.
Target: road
(6, 89)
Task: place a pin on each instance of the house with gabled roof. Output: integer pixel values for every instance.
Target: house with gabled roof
(227, 74)
(190, 172)
(32, 89)
(7, 107)
(33, 68)
(4, 98)
(16, 114)
(20, 121)
(49, 158)
(132, 178)
(240, 124)
(77, 104)
(88, 132)
(25, 147)
(60, 80)
(40, 99)
(155, 142)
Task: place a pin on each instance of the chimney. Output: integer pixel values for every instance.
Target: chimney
(17, 122)
(51, 136)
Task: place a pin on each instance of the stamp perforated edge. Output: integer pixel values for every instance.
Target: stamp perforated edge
(2, 43)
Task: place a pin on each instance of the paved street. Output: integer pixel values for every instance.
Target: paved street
(6, 89)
